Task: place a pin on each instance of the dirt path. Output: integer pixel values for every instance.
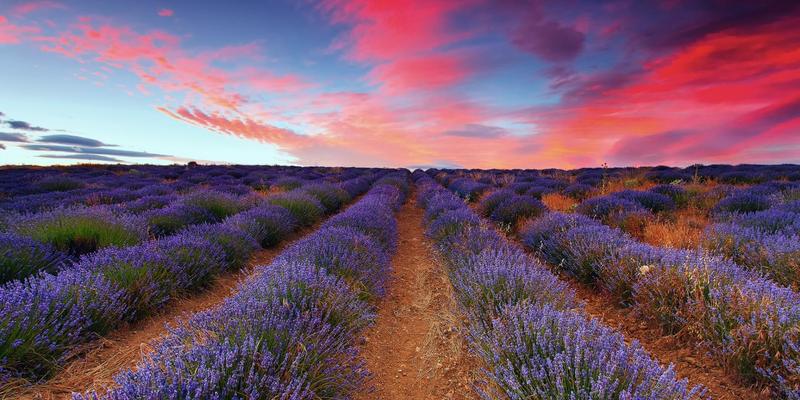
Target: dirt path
(415, 350)
(100, 360)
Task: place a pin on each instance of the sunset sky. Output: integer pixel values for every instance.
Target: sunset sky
(430, 83)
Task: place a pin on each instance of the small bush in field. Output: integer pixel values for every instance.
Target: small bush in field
(267, 224)
(21, 257)
(303, 207)
(330, 196)
(492, 200)
(59, 184)
(742, 203)
(517, 208)
(83, 230)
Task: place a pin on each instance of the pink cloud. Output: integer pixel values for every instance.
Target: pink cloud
(726, 97)
(34, 6)
(386, 29)
(241, 127)
(166, 12)
(159, 60)
(424, 72)
(13, 34)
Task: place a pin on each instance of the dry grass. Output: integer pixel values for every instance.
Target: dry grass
(559, 202)
(684, 231)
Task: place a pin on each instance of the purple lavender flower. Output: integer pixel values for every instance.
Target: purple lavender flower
(267, 224)
(330, 196)
(304, 208)
(21, 257)
(541, 352)
(608, 208)
(742, 202)
(236, 244)
(79, 231)
(43, 317)
(347, 253)
(493, 199)
(517, 208)
(652, 201)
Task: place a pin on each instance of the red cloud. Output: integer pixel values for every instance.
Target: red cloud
(386, 29)
(243, 127)
(719, 99)
(425, 72)
(165, 12)
(405, 42)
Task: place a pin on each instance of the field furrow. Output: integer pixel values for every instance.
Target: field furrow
(416, 349)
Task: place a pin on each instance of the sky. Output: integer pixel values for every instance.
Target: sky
(432, 83)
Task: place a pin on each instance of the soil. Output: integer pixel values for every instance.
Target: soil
(415, 350)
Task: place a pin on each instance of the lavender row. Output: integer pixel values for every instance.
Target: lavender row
(748, 322)
(44, 317)
(64, 235)
(527, 325)
(290, 330)
(759, 228)
(27, 190)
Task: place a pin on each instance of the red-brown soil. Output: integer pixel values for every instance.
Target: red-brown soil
(415, 349)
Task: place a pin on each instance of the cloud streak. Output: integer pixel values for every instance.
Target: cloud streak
(13, 137)
(72, 140)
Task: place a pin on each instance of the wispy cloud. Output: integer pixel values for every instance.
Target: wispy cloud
(72, 140)
(24, 126)
(87, 157)
(478, 131)
(13, 137)
(35, 6)
(92, 150)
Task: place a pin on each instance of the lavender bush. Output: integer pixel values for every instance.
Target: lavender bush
(544, 353)
(78, 231)
(531, 347)
(21, 257)
(288, 332)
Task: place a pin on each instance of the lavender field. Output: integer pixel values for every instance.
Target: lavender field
(275, 282)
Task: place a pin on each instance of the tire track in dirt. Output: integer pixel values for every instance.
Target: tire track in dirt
(415, 350)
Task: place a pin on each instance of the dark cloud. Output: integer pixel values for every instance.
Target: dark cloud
(24, 126)
(72, 140)
(549, 40)
(88, 157)
(478, 131)
(13, 137)
(711, 16)
(582, 87)
(2, 114)
(92, 150)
